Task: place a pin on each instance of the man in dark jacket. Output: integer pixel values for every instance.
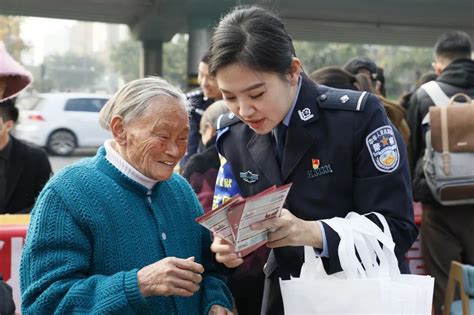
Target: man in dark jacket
(446, 231)
(24, 169)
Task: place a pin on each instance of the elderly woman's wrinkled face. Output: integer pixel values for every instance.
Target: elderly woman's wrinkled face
(157, 141)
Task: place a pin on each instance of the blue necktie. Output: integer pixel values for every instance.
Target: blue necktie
(280, 134)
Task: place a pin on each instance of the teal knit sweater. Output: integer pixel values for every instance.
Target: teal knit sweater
(93, 228)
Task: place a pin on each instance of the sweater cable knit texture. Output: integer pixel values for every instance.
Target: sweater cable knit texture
(93, 228)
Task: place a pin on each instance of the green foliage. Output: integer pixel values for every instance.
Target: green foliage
(402, 65)
(315, 55)
(175, 61)
(71, 72)
(125, 59)
(10, 29)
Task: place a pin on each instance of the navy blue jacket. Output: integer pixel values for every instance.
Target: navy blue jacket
(199, 103)
(333, 158)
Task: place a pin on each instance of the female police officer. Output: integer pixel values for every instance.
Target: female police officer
(340, 150)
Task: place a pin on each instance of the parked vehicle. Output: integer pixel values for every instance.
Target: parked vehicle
(61, 122)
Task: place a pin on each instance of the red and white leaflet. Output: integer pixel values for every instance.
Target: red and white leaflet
(233, 216)
(263, 206)
(216, 220)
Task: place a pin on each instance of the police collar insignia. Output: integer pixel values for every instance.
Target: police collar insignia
(318, 169)
(344, 99)
(231, 115)
(305, 114)
(383, 149)
(249, 177)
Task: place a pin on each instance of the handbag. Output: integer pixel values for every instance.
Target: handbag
(369, 285)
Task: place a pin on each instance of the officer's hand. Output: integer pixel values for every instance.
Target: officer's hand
(225, 252)
(170, 276)
(219, 310)
(288, 230)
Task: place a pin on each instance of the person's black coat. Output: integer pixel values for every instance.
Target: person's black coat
(28, 171)
(457, 77)
(7, 305)
(199, 103)
(201, 172)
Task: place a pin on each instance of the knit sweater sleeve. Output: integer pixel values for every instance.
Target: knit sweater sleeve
(54, 269)
(214, 288)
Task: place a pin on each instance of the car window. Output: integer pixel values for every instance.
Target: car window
(85, 104)
(29, 103)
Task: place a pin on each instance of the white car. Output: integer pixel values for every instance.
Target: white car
(61, 122)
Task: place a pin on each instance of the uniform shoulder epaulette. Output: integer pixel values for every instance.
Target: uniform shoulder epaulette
(343, 99)
(223, 125)
(227, 120)
(194, 93)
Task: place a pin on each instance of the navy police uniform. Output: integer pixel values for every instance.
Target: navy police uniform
(199, 103)
(342, 154)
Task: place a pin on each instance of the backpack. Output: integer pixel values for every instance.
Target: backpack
(448, 163)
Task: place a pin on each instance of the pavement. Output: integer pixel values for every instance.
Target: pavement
(59, 162)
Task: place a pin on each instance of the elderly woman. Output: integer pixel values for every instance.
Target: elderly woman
(116, 233)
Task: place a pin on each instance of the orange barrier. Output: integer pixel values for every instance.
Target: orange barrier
(12, 238)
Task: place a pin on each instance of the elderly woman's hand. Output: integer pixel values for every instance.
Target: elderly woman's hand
(219, 310)
(225, 253)
(170, 276)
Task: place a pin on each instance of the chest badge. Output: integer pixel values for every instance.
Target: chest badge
(305, 114)
(249, 177)
(315, 163)
(318, 169)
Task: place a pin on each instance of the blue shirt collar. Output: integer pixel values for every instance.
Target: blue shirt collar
(286, 120)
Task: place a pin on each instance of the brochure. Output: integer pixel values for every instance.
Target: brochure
(232, 220)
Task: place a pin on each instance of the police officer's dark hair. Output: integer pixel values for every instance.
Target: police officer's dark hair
(8, 111)
(453, 45)
(205, 57)
(253, 37)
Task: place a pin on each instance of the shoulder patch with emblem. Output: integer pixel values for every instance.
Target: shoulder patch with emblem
(343, 99)
(227, 120)
(383, 149)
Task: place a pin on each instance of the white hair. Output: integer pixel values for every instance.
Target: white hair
(213, 112)
(135, 97)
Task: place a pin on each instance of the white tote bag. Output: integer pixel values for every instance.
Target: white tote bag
(374, 286)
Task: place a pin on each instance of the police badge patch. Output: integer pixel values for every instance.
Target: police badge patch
(383, 149)
(249, 177)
